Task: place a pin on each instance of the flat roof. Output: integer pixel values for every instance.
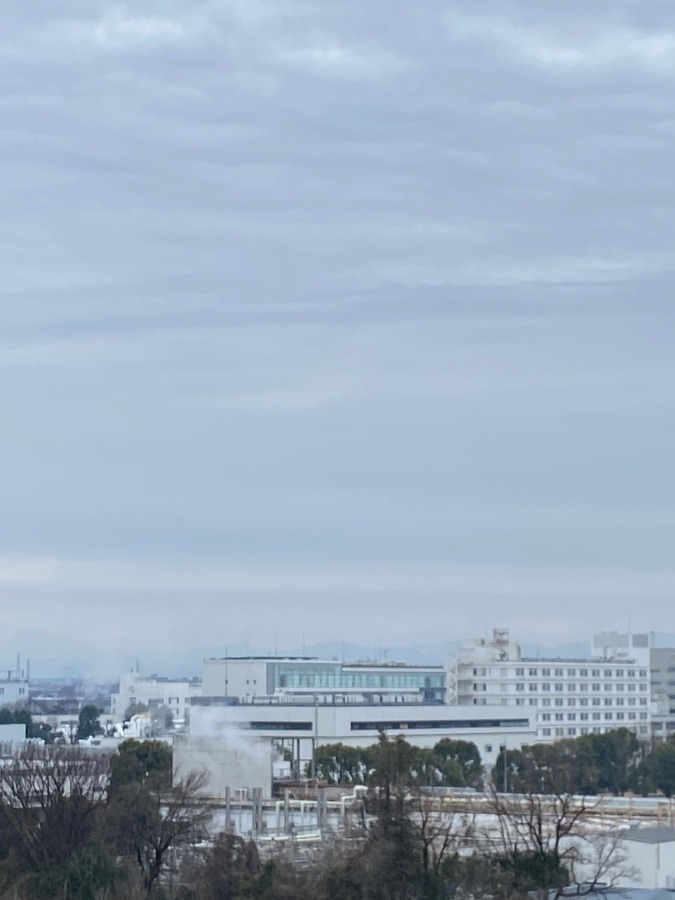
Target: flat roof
(661, 835)
(571, 659)
(433, 709)
(266, 659)
(366, 664)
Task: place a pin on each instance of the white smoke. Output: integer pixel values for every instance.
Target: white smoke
(216, 722)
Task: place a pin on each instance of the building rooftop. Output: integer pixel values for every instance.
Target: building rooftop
(390, 664)
(614, 893)
(433, 709)
(361, 663)
(662, 835)
(583, 660)
(267, 659)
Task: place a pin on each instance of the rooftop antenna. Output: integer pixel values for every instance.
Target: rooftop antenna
(276, 643)
(18, 665)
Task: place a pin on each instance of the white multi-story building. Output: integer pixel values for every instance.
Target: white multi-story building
(570, 697)
(154, 692)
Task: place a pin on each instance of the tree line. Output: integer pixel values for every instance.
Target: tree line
(615, 762)
(610, 763)
(80, 824)
(450, 763)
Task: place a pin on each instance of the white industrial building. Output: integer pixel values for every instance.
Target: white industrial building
(154, 692)
(566, 697)
(301, 725)
(247, 678)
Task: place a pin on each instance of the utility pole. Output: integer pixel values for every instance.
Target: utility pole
(315, 735)
(506, 770)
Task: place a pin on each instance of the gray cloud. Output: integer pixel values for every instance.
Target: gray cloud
(331, 288)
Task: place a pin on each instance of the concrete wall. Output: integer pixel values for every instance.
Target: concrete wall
(233, 760)
(13, 692)
(663, 678)
(241, 678)
(654, 864)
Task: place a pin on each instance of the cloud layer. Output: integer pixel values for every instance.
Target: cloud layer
(378, 298)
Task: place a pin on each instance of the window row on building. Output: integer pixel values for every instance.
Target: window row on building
(561, 672)
(593, 716)
(571, 701)
(571, 688)
(573, 731)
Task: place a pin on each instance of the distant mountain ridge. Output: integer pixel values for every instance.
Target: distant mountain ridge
(73, 659)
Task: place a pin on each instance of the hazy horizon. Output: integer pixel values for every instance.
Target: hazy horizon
(323, 321)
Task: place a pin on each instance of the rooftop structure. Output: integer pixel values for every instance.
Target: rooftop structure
(623, 645)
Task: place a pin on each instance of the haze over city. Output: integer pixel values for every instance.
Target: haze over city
(334, 322)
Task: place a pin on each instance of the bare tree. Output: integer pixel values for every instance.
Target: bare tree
(549, 841)
(148, 824)
(443, 834)
(49, 797)
(599, 858)
(534, 836)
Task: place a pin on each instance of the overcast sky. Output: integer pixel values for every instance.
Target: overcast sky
(351, 319)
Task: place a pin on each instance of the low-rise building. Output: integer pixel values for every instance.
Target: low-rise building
(649, 858)
(154, 692)
(300, 725)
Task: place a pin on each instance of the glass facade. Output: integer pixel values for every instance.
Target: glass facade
(324, 677)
